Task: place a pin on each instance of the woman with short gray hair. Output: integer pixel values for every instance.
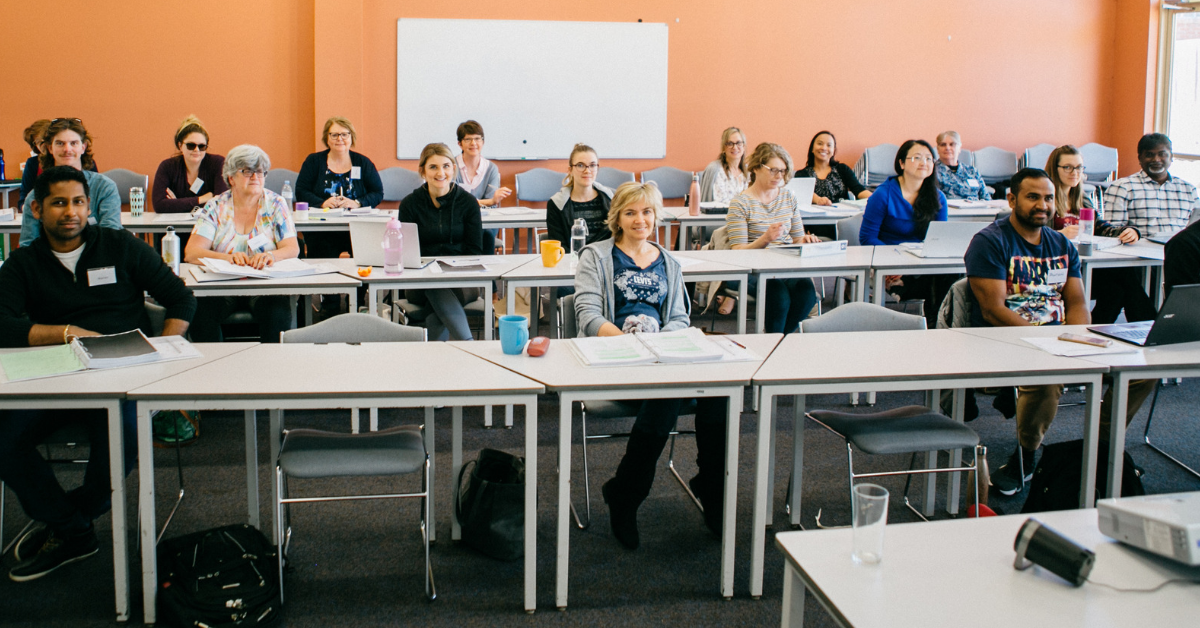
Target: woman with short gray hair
(248, 225)
(956, 179)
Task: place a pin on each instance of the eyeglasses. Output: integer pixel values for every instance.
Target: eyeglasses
(473, 139)
(734, 144)
(919, 159)
(70, 119)
(776, 172)
(195, 146)
(339, 136)
(1071, 168)
(249, 174)
(582, 167)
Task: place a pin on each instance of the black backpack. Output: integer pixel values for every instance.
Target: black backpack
(223, 577)
(491, 509)
(1055, 483)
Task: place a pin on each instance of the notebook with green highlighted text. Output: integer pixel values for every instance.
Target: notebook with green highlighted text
(686, 346)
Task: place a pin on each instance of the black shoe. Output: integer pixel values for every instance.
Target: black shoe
(1008, 479)
(56, 552)
(28, 545)
(1006, 402)
(712, 501)
(622, 517)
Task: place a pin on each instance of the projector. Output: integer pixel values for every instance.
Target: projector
(1167, 525)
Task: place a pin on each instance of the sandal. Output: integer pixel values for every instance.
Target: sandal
(725, 305)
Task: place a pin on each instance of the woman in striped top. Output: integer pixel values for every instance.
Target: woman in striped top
(767, 213)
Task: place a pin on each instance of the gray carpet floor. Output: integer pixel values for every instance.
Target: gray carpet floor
(359, 564)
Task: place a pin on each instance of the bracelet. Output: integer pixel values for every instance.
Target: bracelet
(66, 335)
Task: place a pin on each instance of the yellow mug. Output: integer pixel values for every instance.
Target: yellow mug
(552, 253)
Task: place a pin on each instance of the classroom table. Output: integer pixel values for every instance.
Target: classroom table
(697, 266)
(768, 264)
(960, 572)
(329, 283)
(816, 216)
(517, 219)
(561, 372)
(1178, 360)
(937, 359)
(106, 389)
(1107, 259)
(893, 260)
(7, 186)
(351, 376)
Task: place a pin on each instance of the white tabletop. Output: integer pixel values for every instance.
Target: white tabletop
(509, 217)
(906, 356)
(561, 371)
(894, 257)
(107, 383)
(534, 270)
(960, 573)
(497, 266)
(765, 260)
(1184, 355)
(328, 280)
(315, 371)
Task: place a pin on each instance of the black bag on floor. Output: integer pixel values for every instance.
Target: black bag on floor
(220, 578)
(491, 509)
(1055, 483)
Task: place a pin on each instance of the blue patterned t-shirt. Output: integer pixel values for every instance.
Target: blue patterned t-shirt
(637, 290)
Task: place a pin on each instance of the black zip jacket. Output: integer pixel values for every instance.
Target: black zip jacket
(35, 288)
(455, 228)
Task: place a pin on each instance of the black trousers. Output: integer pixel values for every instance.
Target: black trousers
(1115, 289)
(273, 313)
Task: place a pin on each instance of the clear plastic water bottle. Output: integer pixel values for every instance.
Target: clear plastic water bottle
(579, 234)
(393, 248)
(170, 250)
(287, 194)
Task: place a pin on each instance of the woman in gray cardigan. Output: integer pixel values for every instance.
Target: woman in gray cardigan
(629, 284)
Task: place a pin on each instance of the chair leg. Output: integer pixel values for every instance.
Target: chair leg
(430, 586)
(678, 478)
(179, 499)
(353, 420)
(850, 468)
(908, 482)
(1146, 436)
(980, 456)
(279, 534)
(587, 489)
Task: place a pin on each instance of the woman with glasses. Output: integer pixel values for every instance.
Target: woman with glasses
(66, 142)
(767, 213)
(448, 223)
(726, 176)
(1113, 289)
(900, 211)
(193, 177)
(247, 225)
(479, 176)
(954, 179)
(337, 178)
(580, 197)
(835, 180)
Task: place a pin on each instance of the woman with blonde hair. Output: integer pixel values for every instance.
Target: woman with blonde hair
(192, 177)
(629, 284)
(449, 223)
(727, 175)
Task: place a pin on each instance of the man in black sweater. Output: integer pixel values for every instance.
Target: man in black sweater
(74, 280)
(1181, 263)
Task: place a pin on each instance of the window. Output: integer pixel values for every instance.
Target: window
(1179, 93)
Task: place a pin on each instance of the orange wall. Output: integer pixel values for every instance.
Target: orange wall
(1009, 74)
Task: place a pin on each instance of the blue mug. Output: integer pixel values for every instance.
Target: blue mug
(514, 333)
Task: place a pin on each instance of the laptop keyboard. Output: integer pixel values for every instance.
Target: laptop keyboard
(1140, 334)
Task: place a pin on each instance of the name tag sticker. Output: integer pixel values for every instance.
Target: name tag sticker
(197, 185)
(92, 220)
(355, 172)
(1057, 275)
(102, 276)
(973, 183)
(259, 242)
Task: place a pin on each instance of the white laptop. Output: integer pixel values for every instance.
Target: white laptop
(947, 239)
(366, 240)
(802, 188)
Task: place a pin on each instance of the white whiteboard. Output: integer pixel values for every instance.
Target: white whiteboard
(537, 88)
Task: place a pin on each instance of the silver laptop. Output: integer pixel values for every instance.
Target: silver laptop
(947, 239)
(366, 240)
(802, 188)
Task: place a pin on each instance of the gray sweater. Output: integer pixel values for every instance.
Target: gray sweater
(594, 300)
(104, 201)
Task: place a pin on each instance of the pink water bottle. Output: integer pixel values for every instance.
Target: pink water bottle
(694, 196)
(393, 248)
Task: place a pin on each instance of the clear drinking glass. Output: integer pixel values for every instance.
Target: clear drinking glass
(870, 516)
(137, 201)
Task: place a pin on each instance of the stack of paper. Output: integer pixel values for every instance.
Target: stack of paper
(1074, 349)
(686, 346)
(220, 270)
(125, 349)
(66, 359)
(1147, 250)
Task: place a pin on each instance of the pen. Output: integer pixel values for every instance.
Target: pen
(737, 343)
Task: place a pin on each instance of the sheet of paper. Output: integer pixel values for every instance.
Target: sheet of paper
(512, 211)
(178, 218)
(228, 268)
(623, 350)
(1146, 250)
(37, 363)
(684, 262)
(174, 348)
(1066, 349)
(685, 346)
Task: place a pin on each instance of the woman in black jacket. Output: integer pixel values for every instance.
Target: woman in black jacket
(448, 223)
(337, 178)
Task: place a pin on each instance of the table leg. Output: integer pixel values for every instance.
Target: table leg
(565, 403)
(742, 293)
(798, 409)
(772, 453)
(860, 286)
(877, 294)
(1116, 435)
(952, 491)
(760, 307)
(1091, 432)
(1087, 283)
(793, 598)
(252, 470)
(728, 526)
(762, 500)
(146, 500)
(275, 438)
(531, 504)
(489, 320)
(456, 463)
(429, 449)
(116, 467)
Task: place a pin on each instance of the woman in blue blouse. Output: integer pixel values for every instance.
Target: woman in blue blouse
(900, 211)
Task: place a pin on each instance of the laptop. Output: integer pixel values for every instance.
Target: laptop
(1178, 321)
(947, 239)
(366, 240)
(802, 188)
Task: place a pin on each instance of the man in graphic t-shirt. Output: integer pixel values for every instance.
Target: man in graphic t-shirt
(1022, 272)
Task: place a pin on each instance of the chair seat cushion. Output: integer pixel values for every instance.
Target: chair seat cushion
(898, 431)
(319, 454)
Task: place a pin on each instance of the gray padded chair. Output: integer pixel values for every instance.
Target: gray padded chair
(907, 430)
(995, 164)
(605, 410)
(671, 182)
(876, 164)
(1037, 156)
(126, 179)
(399, 182)
(846, 229)
(966, 157)
(277, 176)
(1099, 163)
(613, 178)
(538, 185)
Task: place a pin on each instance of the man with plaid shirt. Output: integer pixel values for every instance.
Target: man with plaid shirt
(1151, 200)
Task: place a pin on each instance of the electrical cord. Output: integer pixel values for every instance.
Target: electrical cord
(1150, 590)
